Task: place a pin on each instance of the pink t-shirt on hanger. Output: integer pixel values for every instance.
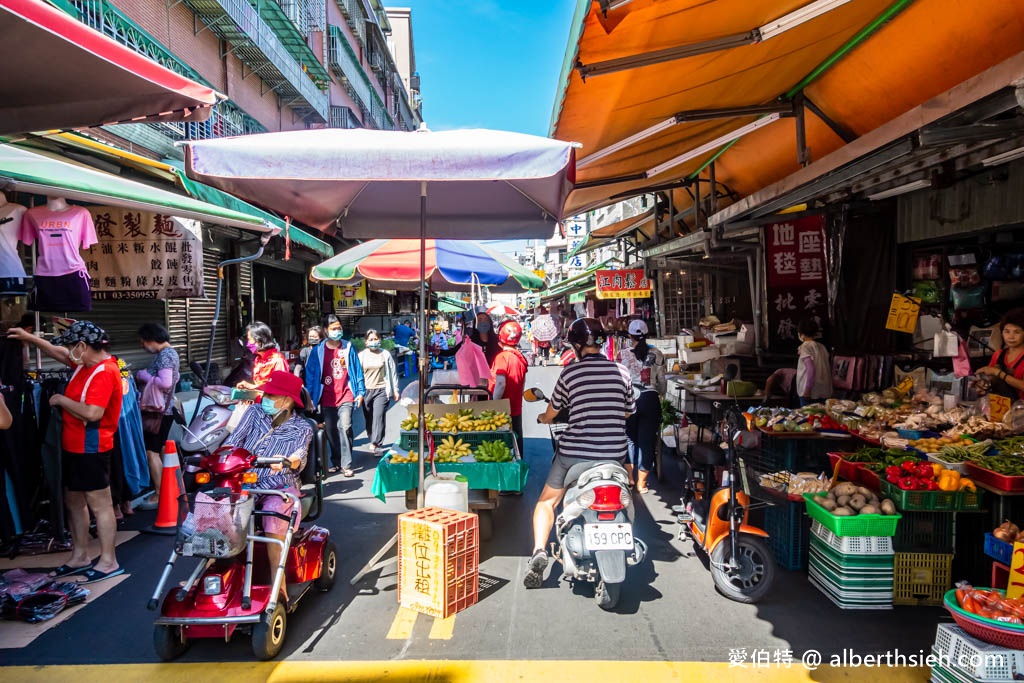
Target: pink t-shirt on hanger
(60, 235)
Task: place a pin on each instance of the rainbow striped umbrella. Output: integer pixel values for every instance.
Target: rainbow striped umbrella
(452, 265)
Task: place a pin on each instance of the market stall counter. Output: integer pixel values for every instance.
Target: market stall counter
(473, 440)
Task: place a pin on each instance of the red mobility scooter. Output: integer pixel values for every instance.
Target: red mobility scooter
(232, 587)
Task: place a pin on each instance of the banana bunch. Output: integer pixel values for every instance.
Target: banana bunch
(490, 421)
(413, 456)
(493, 451)
(453, 423)
(450, 450)
(413, 422)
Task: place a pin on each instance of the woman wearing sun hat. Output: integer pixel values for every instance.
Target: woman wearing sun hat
(273, 429)
(90, 408)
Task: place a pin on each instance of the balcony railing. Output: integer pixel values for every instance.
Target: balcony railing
(256, 44)
(343, 117)
(344, 64)
(355, 17)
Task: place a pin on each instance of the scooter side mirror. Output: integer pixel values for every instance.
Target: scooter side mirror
(534, 394)
(178, 417)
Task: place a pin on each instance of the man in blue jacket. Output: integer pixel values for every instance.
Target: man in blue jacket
(334, 379)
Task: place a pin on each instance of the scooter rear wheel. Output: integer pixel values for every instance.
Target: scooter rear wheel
(753, 579)
(169, 642)
(607, 594)
(268, 635)
(328, 569)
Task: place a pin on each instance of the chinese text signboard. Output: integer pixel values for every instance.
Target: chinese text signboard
(903, 313)
(622, 284)
(350, 297)
(421, 567)
(141, 255)
(796, 279)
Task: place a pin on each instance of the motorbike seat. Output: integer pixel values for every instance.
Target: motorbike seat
(574, 473)
(708, 455)
(306, 503)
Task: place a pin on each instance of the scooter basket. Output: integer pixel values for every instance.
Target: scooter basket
(216, 527)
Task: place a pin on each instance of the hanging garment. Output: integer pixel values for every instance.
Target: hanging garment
(133, 444)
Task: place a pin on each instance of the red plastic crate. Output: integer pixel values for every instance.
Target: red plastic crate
(848, 471)
(866, 477)
(1000, 575)
(438, 561)
(994, 479)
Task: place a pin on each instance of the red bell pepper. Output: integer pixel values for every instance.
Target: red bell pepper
(893, 471)
(908, 483)
(910, 467)
(924, 470)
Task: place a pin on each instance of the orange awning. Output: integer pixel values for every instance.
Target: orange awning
(873, 73)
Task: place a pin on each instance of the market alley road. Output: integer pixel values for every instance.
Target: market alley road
(669, 610)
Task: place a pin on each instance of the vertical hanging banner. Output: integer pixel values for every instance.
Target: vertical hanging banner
(796, 279)
(141, 255)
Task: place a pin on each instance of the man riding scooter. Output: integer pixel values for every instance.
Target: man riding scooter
(597, 394)
(274, 429)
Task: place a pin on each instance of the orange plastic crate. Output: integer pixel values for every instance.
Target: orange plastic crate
(438, 561)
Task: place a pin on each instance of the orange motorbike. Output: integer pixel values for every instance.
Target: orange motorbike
(716, 517)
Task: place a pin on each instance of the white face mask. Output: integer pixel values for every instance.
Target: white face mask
(76, 360)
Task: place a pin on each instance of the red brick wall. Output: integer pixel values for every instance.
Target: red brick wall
(175, 30)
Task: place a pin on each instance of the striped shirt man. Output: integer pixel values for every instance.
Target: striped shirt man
(255, 433)
(598, 395)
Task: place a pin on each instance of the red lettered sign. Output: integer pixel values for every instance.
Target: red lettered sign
(622, 284)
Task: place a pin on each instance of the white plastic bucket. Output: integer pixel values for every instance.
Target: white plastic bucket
(446, 490)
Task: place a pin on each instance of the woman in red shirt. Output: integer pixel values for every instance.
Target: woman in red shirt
(1006, 369)
(269, 359)
(90, 408)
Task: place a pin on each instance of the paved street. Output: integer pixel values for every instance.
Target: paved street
(669, 610)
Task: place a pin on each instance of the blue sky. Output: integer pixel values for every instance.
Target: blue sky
(489, 63)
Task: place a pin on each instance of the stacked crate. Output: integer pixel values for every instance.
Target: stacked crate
(924, 558)
(854, 572)
(438, 561)
(961, 658)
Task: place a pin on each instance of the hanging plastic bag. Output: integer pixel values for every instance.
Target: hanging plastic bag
(945, 344)
(962, 362)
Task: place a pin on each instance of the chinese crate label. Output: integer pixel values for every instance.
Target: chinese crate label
(142, 255)
(622, 284)
(998, 407)
(796, 279)
(903, 312)
(422, 568)
(1015, 586)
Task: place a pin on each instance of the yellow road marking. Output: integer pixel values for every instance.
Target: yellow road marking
(401, 627)
(492, 671)
(442, 629)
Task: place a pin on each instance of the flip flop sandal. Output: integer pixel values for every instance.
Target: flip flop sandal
(65, 570)
(93, 575)
(348, 473)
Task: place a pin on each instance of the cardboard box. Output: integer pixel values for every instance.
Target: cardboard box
(441, 409)
(666, 346)
(694, 356)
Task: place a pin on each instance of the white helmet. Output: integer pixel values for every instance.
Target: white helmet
(637, 328)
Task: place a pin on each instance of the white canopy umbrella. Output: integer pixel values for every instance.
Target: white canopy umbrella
(458, 184)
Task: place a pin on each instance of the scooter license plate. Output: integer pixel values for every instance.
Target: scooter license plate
(608, 536)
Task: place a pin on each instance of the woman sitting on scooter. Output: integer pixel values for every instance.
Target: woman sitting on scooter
(274, 429)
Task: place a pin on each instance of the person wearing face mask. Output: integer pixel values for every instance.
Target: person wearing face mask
(381, 380)
(314, 336)
(157, 383)
(483, 335)
(89, 408)
(646, 367)
(268, 357)
(334, 378)
(273, 429)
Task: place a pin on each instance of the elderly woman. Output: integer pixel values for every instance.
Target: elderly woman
(273, 429)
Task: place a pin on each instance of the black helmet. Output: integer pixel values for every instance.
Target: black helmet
(585, 332)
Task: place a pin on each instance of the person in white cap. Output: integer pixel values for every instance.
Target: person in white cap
(646, 367)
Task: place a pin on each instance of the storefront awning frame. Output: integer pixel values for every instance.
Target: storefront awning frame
(39, 173)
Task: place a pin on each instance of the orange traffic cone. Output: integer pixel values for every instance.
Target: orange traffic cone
(171, 489)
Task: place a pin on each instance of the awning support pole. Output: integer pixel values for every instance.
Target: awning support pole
(803, 157)
(422, 360)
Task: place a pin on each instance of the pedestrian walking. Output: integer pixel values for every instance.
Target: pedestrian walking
(156, 401)
(646, 367)
(259, 339)
(381, 378)
(314, 336)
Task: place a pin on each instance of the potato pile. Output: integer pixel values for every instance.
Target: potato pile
(848, 500)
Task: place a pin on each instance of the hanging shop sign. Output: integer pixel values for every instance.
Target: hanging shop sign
(796, 279)
(903, 313)
(141, 255)
(622, 284)
(577, 298)
(350, 297)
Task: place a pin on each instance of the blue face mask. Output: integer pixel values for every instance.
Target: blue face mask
(334, 335)
(373, 344)
(268, 407)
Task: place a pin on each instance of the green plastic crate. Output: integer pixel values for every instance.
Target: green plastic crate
(410, 441)
(931, 500)
(847, 563)
(850, 582)
(859, 525)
